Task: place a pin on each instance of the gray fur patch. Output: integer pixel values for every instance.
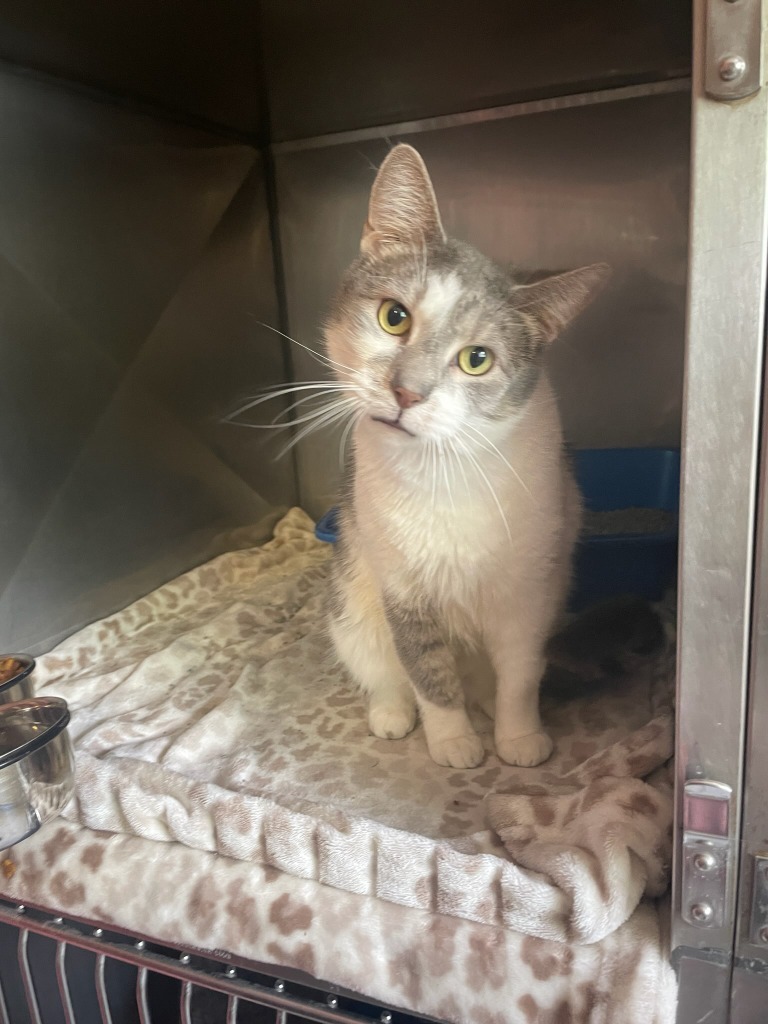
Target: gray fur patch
(485, 313)
(425, 655)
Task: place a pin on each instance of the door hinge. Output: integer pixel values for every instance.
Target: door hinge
(732, 68)
(706, 857)
(758, 923)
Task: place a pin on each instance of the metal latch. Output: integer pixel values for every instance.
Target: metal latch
(706, 814)
(733, 49)
(758, 925)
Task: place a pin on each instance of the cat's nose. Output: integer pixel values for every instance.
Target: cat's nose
(405, 398)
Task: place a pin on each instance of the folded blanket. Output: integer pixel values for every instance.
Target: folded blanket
(453, 970)
(211, 714)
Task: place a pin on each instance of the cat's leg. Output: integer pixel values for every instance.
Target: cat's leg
(363, 642)
(515, 644)
(432, 669)
(478, 680)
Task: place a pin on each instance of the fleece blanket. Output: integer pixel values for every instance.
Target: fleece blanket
(448, 968)
(210, 715)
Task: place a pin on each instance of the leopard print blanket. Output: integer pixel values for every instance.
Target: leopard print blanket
(210, 716)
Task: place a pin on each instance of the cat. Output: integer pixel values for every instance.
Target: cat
(460, 511)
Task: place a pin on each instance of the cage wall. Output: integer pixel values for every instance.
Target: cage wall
(173, 179)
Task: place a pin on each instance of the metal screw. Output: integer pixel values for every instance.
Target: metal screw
(98, 932)
(332, 1001)
(231, 972)
(141, 944)
(184, 958)
(279, 986)
(704, 861)
(763, 934)
(20, 909)
(731, 67)
(386, 1017)
(701, 912)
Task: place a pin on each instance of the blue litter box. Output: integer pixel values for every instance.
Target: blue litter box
(615, 564)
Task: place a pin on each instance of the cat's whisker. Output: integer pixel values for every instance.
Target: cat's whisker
(433, 469)
(494, 450)
(302, 401)
(459, 461)
(317, 355)
(281, 391)
(443, 463)
(353, 421)
(306, 418)
(490, 487)
(329, 416)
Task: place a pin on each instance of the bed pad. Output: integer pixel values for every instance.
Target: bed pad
(210, 715)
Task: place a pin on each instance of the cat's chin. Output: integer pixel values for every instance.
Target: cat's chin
(392, 425)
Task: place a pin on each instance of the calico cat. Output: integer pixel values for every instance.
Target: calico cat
(460, 512)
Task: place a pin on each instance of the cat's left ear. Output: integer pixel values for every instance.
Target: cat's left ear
(402, 209)
(554, 301)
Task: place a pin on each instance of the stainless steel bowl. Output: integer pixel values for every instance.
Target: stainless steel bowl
(19, 685)
(37, 768)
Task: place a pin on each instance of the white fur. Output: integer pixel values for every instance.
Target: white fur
(468, 511)
(440, 296)
(498, 584)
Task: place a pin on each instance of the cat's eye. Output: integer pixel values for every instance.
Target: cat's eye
(394, 318)
(475, 360)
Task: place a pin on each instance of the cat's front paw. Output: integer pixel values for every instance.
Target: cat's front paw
(525, 751)
(465, 751)
(391, 721)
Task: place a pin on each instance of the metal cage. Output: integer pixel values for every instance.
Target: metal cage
(57, 971)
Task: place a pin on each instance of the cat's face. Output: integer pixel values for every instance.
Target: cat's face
(437, 340)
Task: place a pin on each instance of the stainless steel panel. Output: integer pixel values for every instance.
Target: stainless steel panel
(752, 935)
(548, 190)
(135, 264)
(186, 56)
(703, 991)
(340, 64)
(727, 274)
(749, 997)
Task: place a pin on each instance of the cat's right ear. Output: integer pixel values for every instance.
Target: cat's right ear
(402, 210)
(552, 302)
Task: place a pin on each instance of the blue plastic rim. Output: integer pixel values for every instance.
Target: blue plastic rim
(612, 565)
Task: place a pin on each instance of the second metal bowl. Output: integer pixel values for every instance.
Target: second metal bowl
(36, 766)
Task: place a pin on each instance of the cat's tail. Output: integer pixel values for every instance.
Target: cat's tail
(603, 647)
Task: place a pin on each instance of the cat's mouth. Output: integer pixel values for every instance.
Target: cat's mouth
(393, 423)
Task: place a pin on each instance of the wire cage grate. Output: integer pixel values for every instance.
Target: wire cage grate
(57, 971)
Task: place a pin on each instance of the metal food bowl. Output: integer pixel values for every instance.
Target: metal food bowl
(36, 766)
(15, 677)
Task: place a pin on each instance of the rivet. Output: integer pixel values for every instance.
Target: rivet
(704, 861)
(20, 908)
(184, 958)
(141, 944)
(98, 932)
(731, 68)
(701, 912)
(279, 986)
(386, 1017)
(332, 1001)
(58, 920)
(231, 972)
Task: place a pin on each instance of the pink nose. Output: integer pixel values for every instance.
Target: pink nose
(405, 398)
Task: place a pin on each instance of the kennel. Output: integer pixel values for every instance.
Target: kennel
(181, 182)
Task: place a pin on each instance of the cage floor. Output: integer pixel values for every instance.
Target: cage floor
(211, 713)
